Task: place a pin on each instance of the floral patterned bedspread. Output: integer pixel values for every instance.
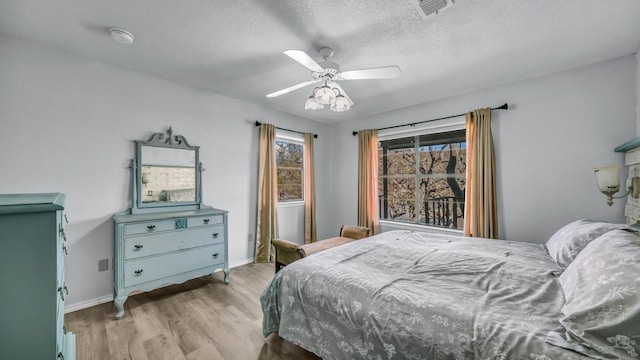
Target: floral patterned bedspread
(411, 295)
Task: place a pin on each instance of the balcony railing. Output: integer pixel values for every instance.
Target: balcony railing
(444, 211)
(441, 212)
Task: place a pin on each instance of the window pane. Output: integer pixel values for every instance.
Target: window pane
(442, 184)
(441, 205)
(440, 177)
(289, 163)
(398, 156)
(400, 200)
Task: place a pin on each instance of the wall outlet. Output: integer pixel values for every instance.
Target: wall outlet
(103, 265)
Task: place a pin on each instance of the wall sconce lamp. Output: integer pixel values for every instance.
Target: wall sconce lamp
(608, 180)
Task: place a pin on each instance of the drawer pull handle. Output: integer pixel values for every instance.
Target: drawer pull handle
(64, 248)
(138, 247)
(138, 272)
(151, 227)
(215, 235)
(60, 356)
(215, 255)
(62, 290)
(206, 221)
(61, 230)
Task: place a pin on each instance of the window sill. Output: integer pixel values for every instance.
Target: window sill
(386, 225)
(290, 204)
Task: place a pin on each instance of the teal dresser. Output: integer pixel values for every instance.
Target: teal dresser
(32, 278)
(168, 236)
(156, 249)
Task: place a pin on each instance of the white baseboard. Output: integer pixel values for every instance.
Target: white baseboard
(109, 298)
(88, 303)
(240, 263)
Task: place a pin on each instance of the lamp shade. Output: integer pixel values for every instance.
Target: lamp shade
(608, 178)
(340, 104)
(325, 95)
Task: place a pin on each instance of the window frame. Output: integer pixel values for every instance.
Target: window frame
(428, 129)
(298, 140)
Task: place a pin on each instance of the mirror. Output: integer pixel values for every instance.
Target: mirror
(169, 172)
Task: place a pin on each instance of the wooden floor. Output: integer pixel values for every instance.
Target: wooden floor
(200, 319)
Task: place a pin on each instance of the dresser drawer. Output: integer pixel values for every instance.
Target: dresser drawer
(204, 221)
(160, 243)
(143, 270)
(202, 236)
(149, 227)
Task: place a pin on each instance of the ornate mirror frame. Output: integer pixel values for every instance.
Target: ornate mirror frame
(167, 162)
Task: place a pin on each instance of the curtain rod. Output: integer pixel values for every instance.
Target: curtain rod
(258, 123)
(505, 106)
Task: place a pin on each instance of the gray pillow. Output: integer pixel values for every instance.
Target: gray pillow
(566, 243)
(601, 315)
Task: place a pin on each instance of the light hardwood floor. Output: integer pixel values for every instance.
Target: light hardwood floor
(200, 319)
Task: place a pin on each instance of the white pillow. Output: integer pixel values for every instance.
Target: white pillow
(566, 243)
(601, 315)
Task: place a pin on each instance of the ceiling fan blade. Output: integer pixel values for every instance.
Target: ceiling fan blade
(337, 86)
(387, 72)
(292, 88)
(304, 59)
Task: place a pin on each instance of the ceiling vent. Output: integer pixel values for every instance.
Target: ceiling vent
(427, 8)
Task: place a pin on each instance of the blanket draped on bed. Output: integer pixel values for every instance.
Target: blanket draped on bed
(409, 295)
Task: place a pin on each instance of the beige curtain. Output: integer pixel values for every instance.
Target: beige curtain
(267, 228)
(480, 209)
(368, 180)
(309, 191)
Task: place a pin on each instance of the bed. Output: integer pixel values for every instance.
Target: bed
(413, 295)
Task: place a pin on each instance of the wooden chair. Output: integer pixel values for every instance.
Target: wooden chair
(288, 251)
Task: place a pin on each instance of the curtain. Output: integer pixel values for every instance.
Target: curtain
(267, 228)
(368, 180)
(480, 210)
(309, 191)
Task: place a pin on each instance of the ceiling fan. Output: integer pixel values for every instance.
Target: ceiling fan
(328, 72)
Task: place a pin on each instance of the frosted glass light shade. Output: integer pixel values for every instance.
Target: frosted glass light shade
(312, 104)
(340, 104)
(325, 95)
(608, 178)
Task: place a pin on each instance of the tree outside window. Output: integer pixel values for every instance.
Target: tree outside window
(289, 164)
(422, 179)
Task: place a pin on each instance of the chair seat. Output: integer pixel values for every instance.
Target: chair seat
(288, 252)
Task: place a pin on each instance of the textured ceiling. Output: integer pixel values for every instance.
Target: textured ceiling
(234, 47)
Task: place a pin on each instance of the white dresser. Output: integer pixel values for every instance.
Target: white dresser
(157, 249)
(168, 236)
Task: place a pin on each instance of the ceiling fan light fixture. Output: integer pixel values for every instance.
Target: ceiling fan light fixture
(340, 104)
(325, 95)
(312, 104)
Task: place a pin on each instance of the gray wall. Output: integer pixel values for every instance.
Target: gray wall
(68, 124)
(558, 127)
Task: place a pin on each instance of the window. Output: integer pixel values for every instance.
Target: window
(422, 179)
(289, 164)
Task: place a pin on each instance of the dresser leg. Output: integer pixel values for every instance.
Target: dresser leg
(226, 275)
(119, 302)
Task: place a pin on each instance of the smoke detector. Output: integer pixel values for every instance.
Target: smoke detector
(122, 36)
(426, 8)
